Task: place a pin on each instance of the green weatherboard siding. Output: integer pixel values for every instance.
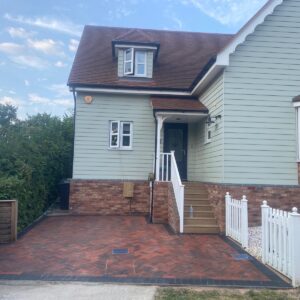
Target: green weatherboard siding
(93, 159)
(259, 85)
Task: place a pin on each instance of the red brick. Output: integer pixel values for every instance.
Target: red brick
(105, 197)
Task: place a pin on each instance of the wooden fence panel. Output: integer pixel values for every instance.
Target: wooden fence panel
(8, 220)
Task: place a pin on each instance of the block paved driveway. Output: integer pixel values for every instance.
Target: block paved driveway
(80, 248)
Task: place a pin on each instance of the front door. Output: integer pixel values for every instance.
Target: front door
(175, 139)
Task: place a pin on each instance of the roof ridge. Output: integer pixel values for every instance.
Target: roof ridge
(161, 30)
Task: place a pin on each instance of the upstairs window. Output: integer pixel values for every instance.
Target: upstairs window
(128, 61)
(140, 63)
(120, 135)
(135, 62)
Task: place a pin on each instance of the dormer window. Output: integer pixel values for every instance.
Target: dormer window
(135, 62)
(128, 61)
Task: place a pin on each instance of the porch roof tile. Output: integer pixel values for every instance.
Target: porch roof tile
(296, 99)
(177, 104)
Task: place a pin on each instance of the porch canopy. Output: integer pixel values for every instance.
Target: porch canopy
(175, 110)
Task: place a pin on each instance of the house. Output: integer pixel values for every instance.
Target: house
(202, 113)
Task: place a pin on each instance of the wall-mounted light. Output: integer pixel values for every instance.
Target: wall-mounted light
(212, 119)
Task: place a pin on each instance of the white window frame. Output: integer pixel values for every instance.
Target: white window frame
(120, 135)
(207, 133)
(131, 60)
(144, 63)
(111, 134)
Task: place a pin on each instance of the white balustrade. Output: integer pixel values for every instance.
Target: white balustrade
(281, 241)
(237, 219)
(178, 188)
(165, 167)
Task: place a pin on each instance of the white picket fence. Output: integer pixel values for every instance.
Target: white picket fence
(237, 219)
(281, 241)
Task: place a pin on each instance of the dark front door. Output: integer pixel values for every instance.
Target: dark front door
(175, 139)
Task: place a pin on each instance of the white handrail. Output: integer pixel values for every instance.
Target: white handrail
(164, 168)
(178, 188)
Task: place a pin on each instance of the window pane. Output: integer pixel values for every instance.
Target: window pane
(114, 140)
(209, 135)
(126, 128)
(126, 141)
(140, 69)
(128, 67)
(128, 54)
(140, 57)
(114, 127)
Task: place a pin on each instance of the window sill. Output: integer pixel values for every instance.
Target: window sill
(207, 142)
(120, 149)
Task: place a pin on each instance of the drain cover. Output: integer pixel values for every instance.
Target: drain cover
(120, 251)
(241, 257)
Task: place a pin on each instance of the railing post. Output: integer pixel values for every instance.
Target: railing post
(227, 214)
(244, 222)
(294, 227)
(265, 230)
(160, 121)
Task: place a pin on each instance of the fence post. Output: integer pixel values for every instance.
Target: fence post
(295, 246)
(244, 220)
(264, 231)
(227, 213)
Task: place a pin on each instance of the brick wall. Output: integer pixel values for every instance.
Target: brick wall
(173, 216)
(282, 197)
(105, 197)
(160, 202)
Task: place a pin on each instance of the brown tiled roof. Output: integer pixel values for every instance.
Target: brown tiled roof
(296, 99)
(177, 104)
(181, 58)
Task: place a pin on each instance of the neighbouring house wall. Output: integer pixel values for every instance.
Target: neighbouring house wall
(205, 161)
(105, 197)
(260, 122)
(92, 157)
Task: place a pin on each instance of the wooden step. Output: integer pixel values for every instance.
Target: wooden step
(200, 221)
(198, 207)
(188, 191)
(200, 214)
(196, 202)
(189, 197)
(201, 229)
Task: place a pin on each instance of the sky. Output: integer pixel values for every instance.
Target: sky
(39, 38)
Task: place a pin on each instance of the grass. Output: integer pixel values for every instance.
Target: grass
(222, 294)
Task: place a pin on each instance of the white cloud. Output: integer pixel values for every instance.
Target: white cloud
(177, 21)
(73, 45)
(9, 100)
(61, 90)
(11, 48)
(26, 82)
(19, 32)
(60, 64)
(12, 92)
(227, 12)
(63, 102)
(36, 99)
(29, 61)
(47, 46)
(66, 27)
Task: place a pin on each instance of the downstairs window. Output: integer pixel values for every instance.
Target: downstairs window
(120, 135)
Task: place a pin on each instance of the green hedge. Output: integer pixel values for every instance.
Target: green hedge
(35, 154)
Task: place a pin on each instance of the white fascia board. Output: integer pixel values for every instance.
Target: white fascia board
(240, 37)
(296, 104)
(174, 113)
(132, 92)
(222, 59)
